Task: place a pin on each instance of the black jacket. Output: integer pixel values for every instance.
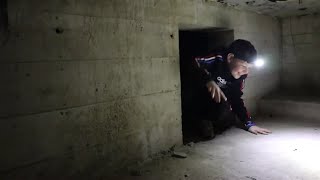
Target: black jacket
(214, 68)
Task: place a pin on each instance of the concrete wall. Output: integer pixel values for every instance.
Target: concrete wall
(300, 62)
(98, 81)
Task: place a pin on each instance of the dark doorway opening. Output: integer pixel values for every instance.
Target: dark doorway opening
(3, 21)
(194, 43)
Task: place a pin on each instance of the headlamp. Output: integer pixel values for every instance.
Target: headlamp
(259, 62)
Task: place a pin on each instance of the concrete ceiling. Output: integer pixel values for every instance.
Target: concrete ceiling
(276, 8)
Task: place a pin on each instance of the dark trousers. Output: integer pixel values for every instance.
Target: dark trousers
(219, 113)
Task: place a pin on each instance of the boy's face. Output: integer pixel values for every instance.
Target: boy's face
(237, 66)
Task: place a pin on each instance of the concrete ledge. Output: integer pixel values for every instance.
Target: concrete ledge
(291, 106)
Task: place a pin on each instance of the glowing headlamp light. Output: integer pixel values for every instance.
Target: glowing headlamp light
(258, 62)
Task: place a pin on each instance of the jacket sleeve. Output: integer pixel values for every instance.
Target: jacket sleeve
(238, 106)
(205, 65)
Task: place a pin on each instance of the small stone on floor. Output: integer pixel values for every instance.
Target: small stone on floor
(179, 154)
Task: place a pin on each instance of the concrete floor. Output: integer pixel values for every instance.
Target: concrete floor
(290, 152)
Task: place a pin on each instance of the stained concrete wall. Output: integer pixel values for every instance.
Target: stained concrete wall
(98, 81)
(300, 62)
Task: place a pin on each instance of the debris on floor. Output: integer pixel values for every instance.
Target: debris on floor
(251, 178)
(190, 144)
(179, 154)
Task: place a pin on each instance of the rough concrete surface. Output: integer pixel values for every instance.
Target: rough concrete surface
(290, 152)
(86, 81)
(300, 44)
(295, 103)
(276, 8)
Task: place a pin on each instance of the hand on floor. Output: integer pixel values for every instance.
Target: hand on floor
(257, 130)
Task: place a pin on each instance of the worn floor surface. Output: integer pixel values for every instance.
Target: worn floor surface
(290, 152)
